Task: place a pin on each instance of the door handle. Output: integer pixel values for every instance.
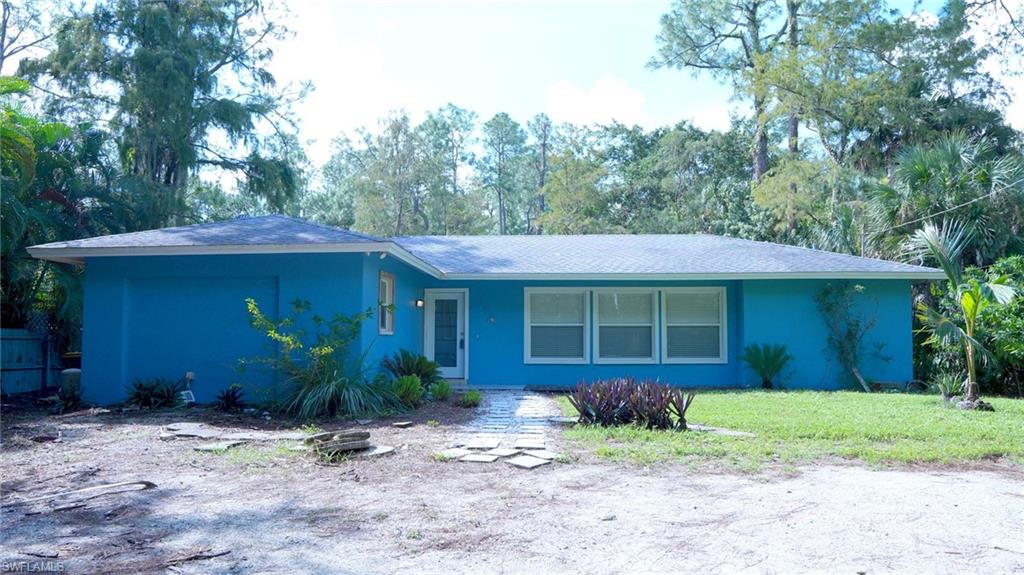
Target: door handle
(462, 342)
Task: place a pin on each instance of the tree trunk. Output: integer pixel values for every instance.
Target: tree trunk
(760, 152)
(793, 42)
(971, 393)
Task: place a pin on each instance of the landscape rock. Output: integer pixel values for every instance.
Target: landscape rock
(502, 452)
(402, 424)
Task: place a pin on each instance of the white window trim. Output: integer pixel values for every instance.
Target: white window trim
(387, 298)
(723, 331)
(655, 315)
(527, 358)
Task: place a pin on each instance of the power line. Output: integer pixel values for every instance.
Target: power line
(967, 203)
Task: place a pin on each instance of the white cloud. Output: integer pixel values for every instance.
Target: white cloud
(610, 98)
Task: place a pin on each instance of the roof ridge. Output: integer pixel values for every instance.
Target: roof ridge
(329, 227)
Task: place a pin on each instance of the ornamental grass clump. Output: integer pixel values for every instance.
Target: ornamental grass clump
(409, 390)
(626, 401)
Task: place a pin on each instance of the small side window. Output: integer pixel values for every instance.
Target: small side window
(386, 304)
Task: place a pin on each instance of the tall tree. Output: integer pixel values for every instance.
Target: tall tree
(175, 78)
(447, 136)
(501, 167)
(542, 133)
(731, 40)
(390, 195)
(24, 29)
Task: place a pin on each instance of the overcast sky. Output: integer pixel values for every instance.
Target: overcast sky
(580, 62)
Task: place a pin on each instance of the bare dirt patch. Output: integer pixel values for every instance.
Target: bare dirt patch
(278, 511)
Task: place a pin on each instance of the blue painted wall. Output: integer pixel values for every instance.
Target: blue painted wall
(785, 312)
(163, 316)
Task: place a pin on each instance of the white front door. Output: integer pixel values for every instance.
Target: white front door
(444, 334)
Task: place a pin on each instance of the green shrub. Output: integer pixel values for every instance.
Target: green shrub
(949, 385)
(471, 398)
(155, 393)
(405, 362)
(409, 390)
(626, 401)
(69, 397)
(767, 361)
(441, 390)
(230, 399)
(326, 379)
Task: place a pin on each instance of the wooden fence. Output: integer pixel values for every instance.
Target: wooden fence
(28, 361)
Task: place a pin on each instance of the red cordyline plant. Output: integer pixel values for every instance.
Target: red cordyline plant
(626, 401)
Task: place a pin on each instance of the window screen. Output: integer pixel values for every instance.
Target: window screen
(557, 326)
(694, 329)
(625, 324)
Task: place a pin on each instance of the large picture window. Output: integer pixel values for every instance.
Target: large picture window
(386, 299)
(557, 326)
(693, 325)
(626, 326)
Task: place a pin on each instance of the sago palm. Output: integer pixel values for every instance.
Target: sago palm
(944, 246)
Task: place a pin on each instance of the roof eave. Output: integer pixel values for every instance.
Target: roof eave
(71, 255)
(902, 275)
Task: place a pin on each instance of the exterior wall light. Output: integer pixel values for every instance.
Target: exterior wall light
(419, 303)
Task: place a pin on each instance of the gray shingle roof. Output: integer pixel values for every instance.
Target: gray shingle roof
(637, 255)
(625, 255)
(248, 231)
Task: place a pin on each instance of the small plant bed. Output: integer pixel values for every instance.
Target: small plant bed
(805, 426)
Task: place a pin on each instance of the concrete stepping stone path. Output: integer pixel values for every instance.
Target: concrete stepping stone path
(509, 421)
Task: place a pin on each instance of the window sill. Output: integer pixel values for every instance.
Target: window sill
(626, 361)
(708, 361)
(555, 361)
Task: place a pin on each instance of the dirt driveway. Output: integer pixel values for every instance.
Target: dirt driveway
(277, 511)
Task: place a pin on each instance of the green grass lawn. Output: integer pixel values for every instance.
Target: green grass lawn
(795, 427)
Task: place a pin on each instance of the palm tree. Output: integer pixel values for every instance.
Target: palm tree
(945, 246)
(961, 177)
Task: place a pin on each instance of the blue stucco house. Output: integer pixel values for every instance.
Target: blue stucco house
(543, 311)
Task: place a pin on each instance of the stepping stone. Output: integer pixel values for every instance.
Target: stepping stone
(529, 444)
(453, 453)
(376, 451)
(299, 447)
(502, 452)
(245, 436)
(289, 436)
(527, 461)
(402, 424)
(542, 454)
(190, 429)
(219, 446)
(482, 443)
(479, 458)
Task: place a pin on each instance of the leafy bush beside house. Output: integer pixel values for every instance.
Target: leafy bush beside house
(958, 324)
(409, 390)
(325, 378)
(626, 401)
(767, 361)
(405, 362)
(155, 393)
